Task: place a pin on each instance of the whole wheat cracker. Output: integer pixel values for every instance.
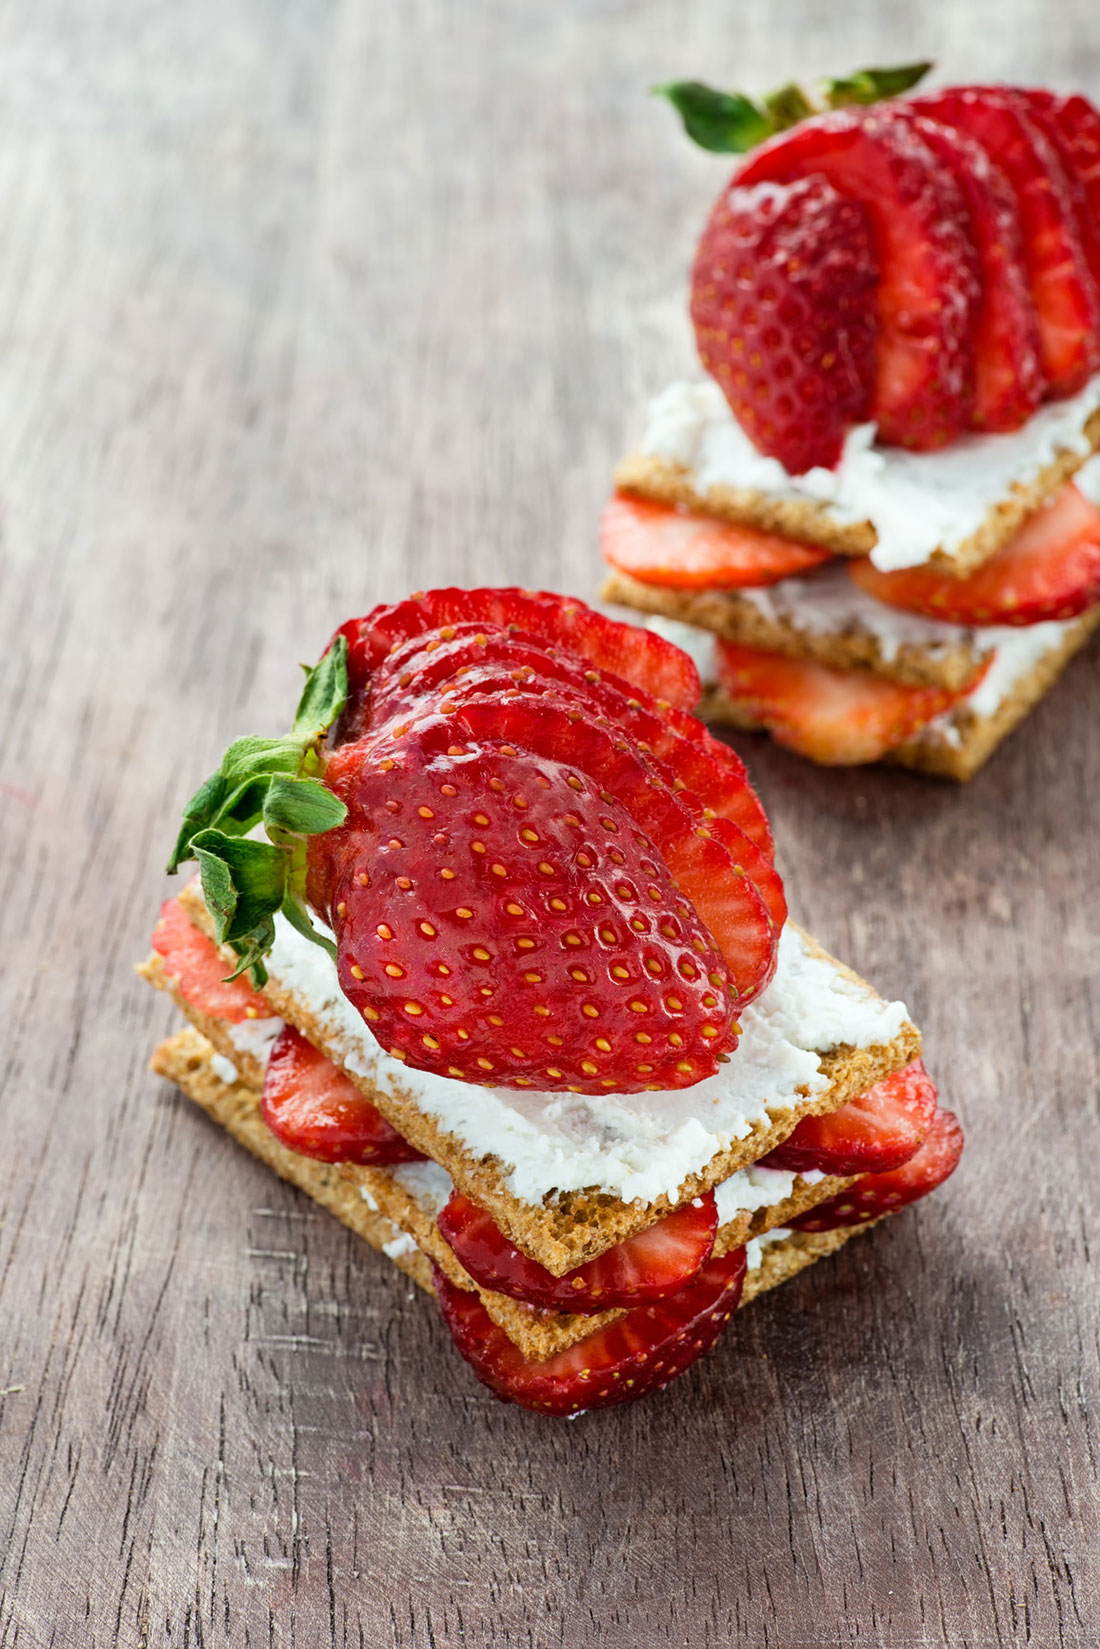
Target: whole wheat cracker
(648, 476)
(537, 1333)
(727, 614)
(185, 1060)
(569, 1228)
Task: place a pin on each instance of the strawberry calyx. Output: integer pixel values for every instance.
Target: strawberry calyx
(275, 783)
(729, 123)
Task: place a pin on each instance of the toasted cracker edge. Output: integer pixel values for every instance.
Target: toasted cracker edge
(184, 1059)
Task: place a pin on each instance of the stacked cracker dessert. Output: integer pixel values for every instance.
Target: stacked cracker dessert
(510, 988)
(882, 503)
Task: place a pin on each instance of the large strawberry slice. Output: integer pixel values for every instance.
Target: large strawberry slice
(505, 920)
(1062, 287)
(878, 1131)
(193, 965)
(835, 717)
(1050, 569)
(636, 1354)
(878, 1194)
(713, 888)
(467, 663)
(927, 294)
(314, 1109)
(782, 297)
(653, 1265)
(680, 550)
(1009, 380)
(639, 656)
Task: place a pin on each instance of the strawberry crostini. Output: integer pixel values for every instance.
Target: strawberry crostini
(508, 984)
(883, 503)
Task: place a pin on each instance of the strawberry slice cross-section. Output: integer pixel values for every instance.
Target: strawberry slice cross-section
(1049, 569)
(651, 1265)
(927, 294)
(884, 1193)
(679, 550)
(875, 1132)
(1062, 287)
(835, 717)
(193, 965)
(313, 1108)
(505, 920)
(636, 1354)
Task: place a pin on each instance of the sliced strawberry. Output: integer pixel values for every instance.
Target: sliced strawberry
(506, 921)
(684, 551)
(878, 1131)
(782, 298)
(927, 295)
(634, 1355)
(313, 1108)
(836, 717)
(1050, 569)
(711, 789)
(877, 1194)
(1062, 287)
(193, 965)
(1042, 109)
(720, 892)
(640, 656)
(1078, 124)
(653, 1265)
(1009, 381)
(452, 672)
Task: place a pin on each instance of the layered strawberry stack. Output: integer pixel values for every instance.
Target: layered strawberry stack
(870, 504)
(523, 1005)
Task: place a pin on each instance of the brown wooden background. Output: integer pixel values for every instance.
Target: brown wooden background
(303, 305)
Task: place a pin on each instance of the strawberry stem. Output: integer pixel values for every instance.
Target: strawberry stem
(731, 123)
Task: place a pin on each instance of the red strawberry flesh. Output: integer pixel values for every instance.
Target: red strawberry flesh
(782, 299)
(835, 717)
(701, 866)
(638, 1353)
(193, 965)
(927, 295)
(640, 656)
(652, 1265)
(506, 922)
(878, 1194)
(313, 1108)
(1062, 287)
(873, 1133)
(1009, 381)
(679, 550)
(1049, 569)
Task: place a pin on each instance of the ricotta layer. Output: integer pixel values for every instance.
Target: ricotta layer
(917, 502)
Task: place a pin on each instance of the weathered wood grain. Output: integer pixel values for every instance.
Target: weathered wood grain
(301, 306)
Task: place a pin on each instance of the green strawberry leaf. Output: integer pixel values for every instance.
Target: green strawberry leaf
(726, 123)
(302, 806)
(731, 123)
(271, 782)
(873, 85)
(200, 811)
(324, 694)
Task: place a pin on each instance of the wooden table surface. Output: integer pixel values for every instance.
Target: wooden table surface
(303, 306)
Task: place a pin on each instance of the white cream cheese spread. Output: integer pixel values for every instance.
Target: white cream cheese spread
(917, 502)
(635, 1146)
